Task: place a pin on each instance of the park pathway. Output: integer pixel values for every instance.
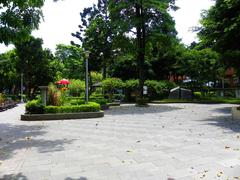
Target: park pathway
(170, 141)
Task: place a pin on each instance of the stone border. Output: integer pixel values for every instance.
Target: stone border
(235, 114)
(114, 104)
(61, 116)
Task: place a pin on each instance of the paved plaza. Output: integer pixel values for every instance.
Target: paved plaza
(162, 142)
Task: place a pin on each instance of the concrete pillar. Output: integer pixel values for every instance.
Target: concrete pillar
(44, 90)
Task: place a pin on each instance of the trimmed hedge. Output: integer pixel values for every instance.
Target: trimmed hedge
(35, 107)
(90, 107)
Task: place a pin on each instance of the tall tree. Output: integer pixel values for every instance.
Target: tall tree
(220, 30)
(18, 18)
(34, 63)
(141, 19)
(8, 73)
(71, 58)
(95, 34)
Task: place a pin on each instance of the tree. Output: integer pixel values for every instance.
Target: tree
(9, 77)
(71, 58)
(95, 34)
(143, 19)
(34, 63)
(201, 66)
(18, 18)
(220, 30)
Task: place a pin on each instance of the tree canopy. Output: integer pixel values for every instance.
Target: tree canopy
(220, 30)
(18, 18)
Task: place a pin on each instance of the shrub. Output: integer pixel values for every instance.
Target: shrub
(76, 87)
(110, 84)
(131, 84)
(100, 101)
(54, 96)
(35, 107)
(76, 102)
(96, 77)
(90, 107)
(2, 98)
(142, 101)
(159, 89)
(197, 95)
(96, 96)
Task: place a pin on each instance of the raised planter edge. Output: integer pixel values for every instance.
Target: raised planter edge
(61, 116)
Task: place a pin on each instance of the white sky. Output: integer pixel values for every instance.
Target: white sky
(62, 18)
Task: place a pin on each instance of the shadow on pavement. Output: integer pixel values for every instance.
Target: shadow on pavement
(223, 110)
(81, 178)
(19, 176)
(17, 137)
(224, 121)
(132, 109)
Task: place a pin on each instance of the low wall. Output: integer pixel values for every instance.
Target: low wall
(62, 116)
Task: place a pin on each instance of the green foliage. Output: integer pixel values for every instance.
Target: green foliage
(18, 18)
(54, 96)
(2, 98)
(96, 77)
(100, 101)
(201, 66)
(35, 107)
(76, 87)
(90, 107)
(96, 35)
(220, 29)
(75, 102)
(8, 70)
(197, 95)
(132, 84)
(71, 58)
(34, 63)
(159, 89)
(110, 84)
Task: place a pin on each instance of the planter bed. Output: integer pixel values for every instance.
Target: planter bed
(61, 116)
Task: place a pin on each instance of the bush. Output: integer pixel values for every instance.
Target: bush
(2, 98)
(132, 84)
(76, 102)
(54, 96)
(76, 87)
(101, 101)
(197, 95)
(90, 107)
(142, 101)
(96, 96)
(159, 89)
(35, 107)
(110, 84)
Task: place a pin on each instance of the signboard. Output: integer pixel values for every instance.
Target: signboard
(145, 89)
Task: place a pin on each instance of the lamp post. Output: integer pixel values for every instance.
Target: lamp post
(21, 87)
(86, 76)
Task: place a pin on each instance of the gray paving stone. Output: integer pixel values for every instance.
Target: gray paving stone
(180, 141)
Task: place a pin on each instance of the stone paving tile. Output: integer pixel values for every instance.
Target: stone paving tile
(162, 142)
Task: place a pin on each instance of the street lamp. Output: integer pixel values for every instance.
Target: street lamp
(21, 87)
(86, 75)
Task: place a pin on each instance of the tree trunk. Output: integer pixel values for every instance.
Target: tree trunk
(141, 46)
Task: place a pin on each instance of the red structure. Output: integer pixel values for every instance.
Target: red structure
(63, 82)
